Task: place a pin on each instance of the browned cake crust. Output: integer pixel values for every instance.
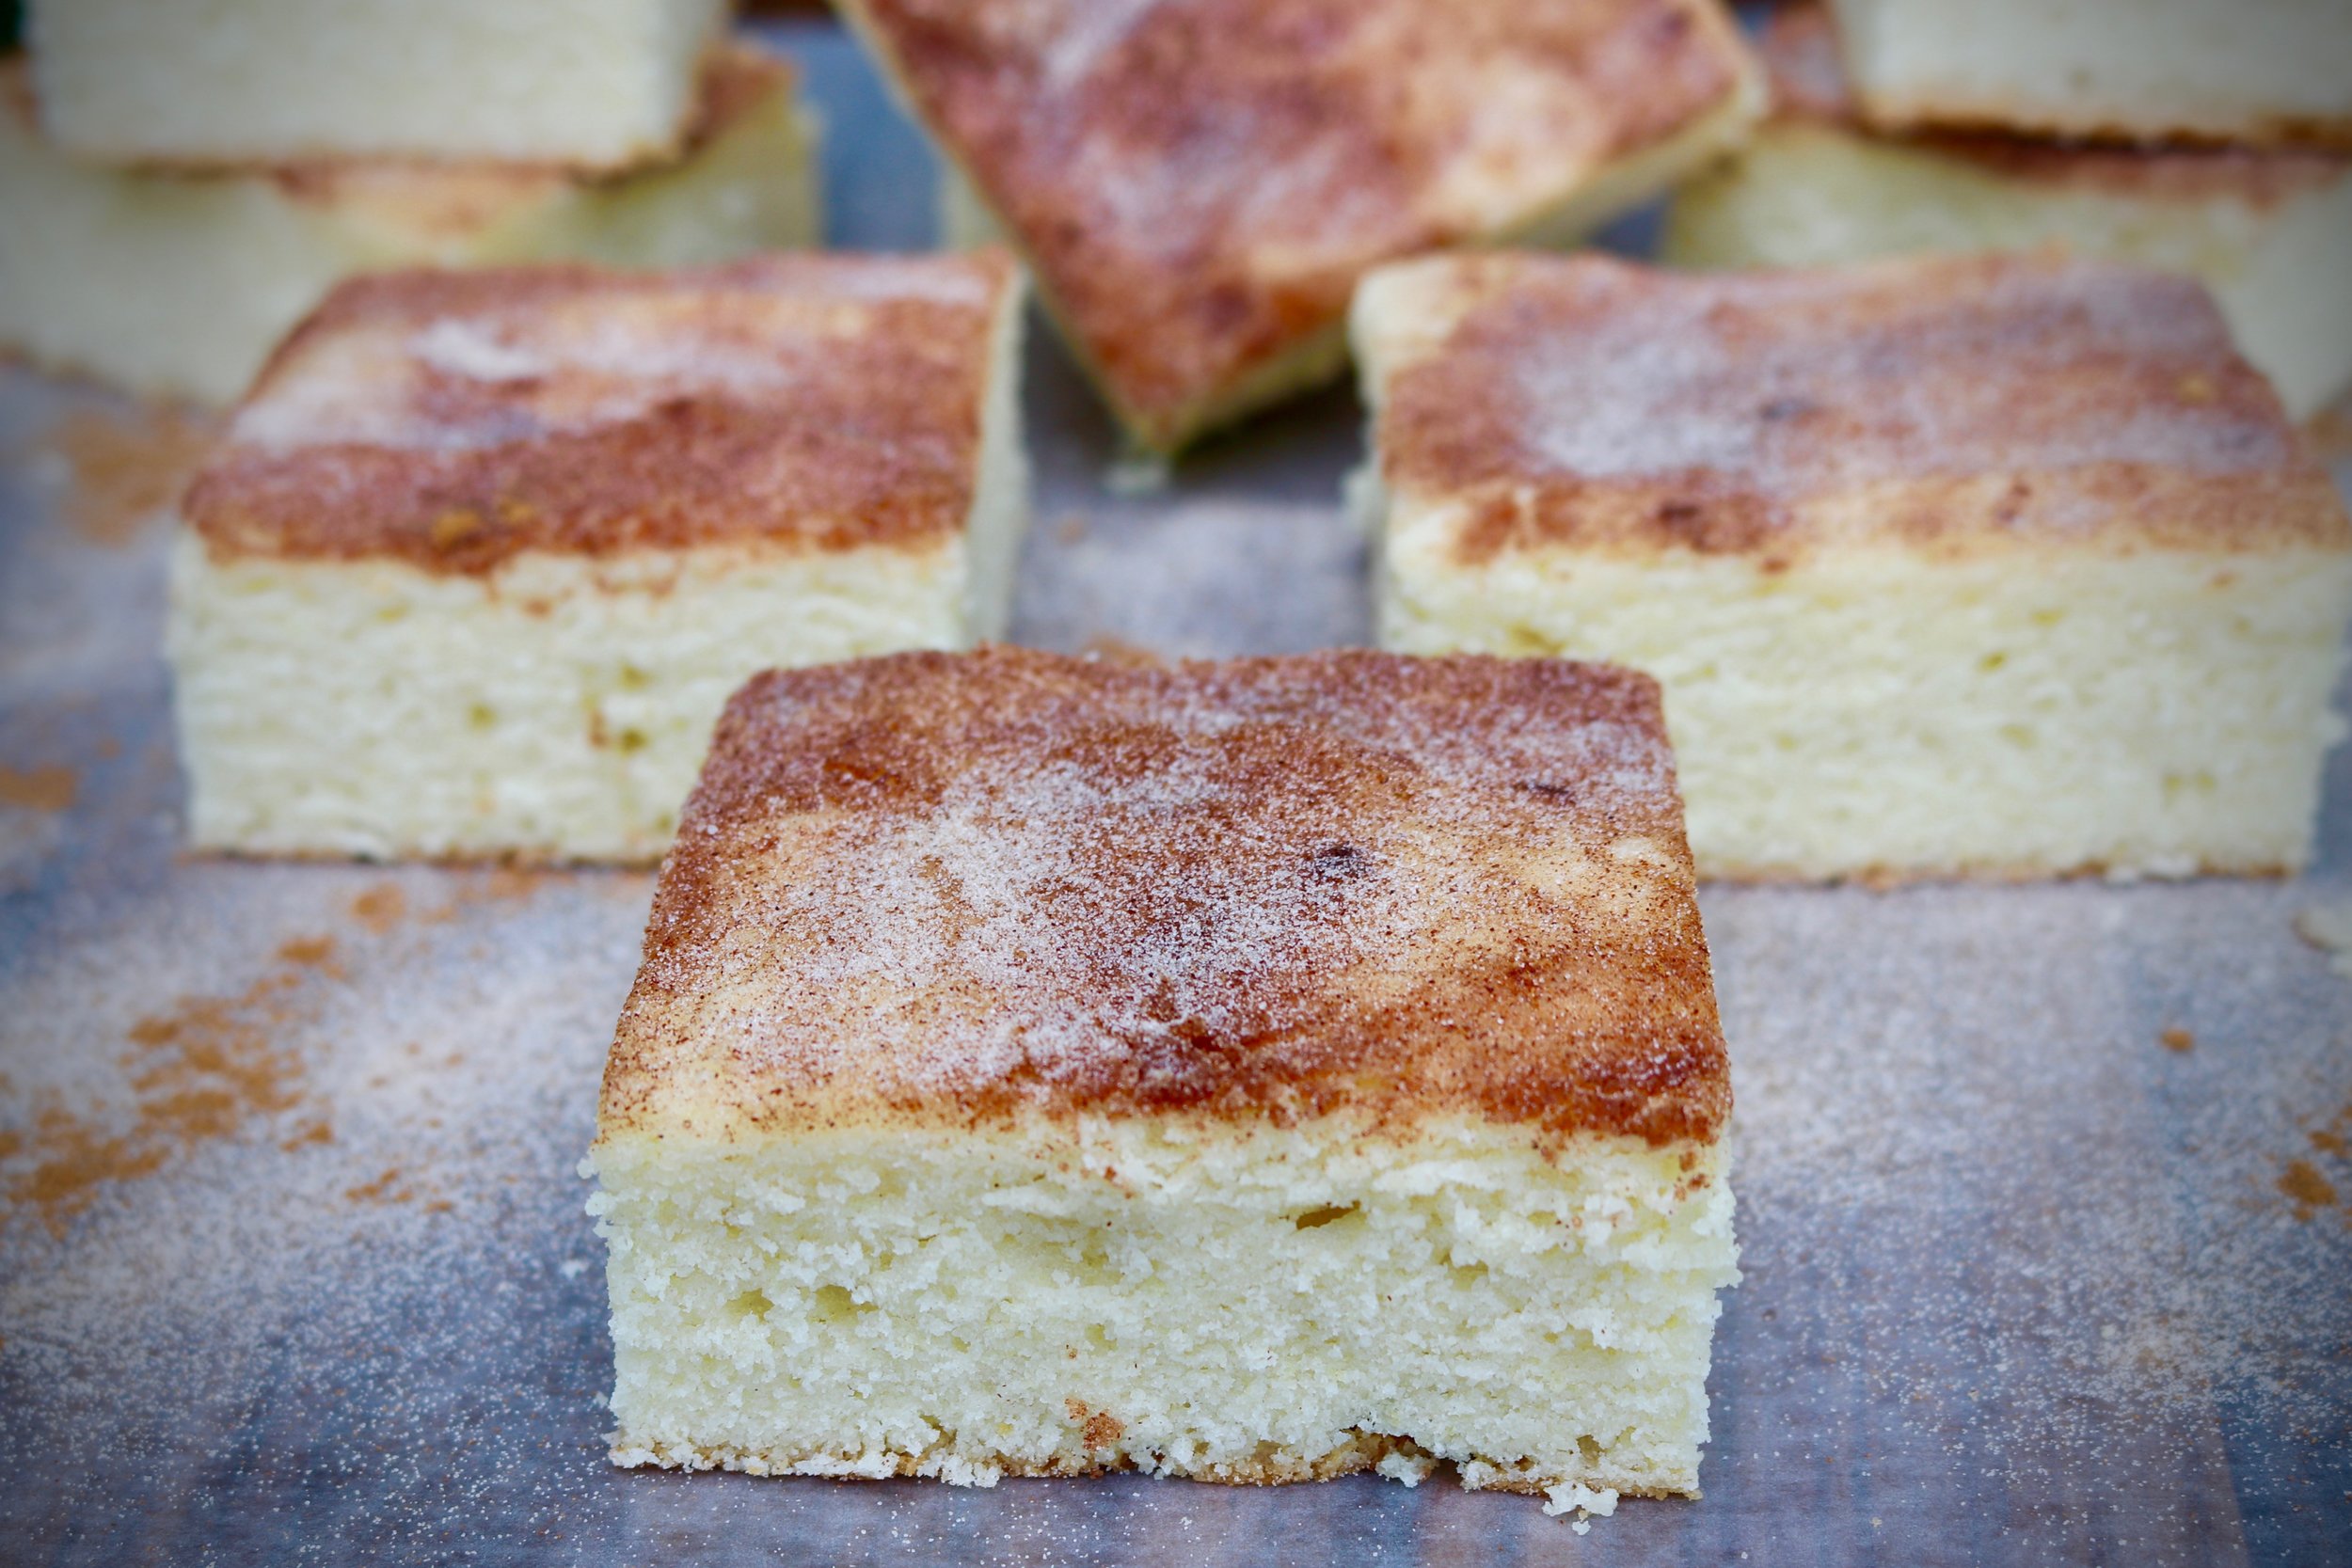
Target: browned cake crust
(1799, 46)
(1948, 404)
(1199, 183)
(454, 419)
(965, 890)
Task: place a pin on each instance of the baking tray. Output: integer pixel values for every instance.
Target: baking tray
(2034, 1181)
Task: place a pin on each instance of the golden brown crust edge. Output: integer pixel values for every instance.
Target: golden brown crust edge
(806, 401)
(2042, 402)
(1460, 918)
(1195, 306)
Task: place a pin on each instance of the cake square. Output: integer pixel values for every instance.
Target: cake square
(2257, 71)
(484, 552)
(1251, 1072)
(177, 283)
(1197, 185)
(1993, 566)
(2269, 230)
(588, 84)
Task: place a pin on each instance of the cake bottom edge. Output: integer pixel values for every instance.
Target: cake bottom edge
(1397, 1457)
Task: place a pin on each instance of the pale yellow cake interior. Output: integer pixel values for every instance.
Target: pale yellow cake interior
(1889, 713)
(1188, 1299)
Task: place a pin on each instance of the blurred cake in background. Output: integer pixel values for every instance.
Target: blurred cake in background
(583, 83)
(2258, 72)
(484, 551)
(2269, 230)
(174, 278)
(1199, 183)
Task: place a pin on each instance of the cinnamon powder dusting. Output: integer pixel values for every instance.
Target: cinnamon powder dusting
(380, 908)
(2309, 1190)
(128, 466)
(38, 788)
(201, 1073)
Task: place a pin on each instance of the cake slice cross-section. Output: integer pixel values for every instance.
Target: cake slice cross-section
(1982, 567)
(1197, 185)
(484, 552)
(1250, 1071)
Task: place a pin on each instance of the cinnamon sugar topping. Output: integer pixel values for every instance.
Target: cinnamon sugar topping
(1954, 403)
(954, 889)
(1199, 183)
(456, 419)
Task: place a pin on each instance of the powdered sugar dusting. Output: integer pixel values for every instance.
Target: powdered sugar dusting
(466, 382)
(1980, 1094)
(1092, 29)
(469, 348)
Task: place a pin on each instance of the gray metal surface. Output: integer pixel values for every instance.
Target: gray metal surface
(2024, 1284)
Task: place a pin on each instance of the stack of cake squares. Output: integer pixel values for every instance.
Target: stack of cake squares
(184, 182)
(2207, 137)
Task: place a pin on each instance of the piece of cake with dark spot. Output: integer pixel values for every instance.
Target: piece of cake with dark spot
(1252, 1072)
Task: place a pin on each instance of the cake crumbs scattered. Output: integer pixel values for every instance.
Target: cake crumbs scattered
(1589, 1503)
